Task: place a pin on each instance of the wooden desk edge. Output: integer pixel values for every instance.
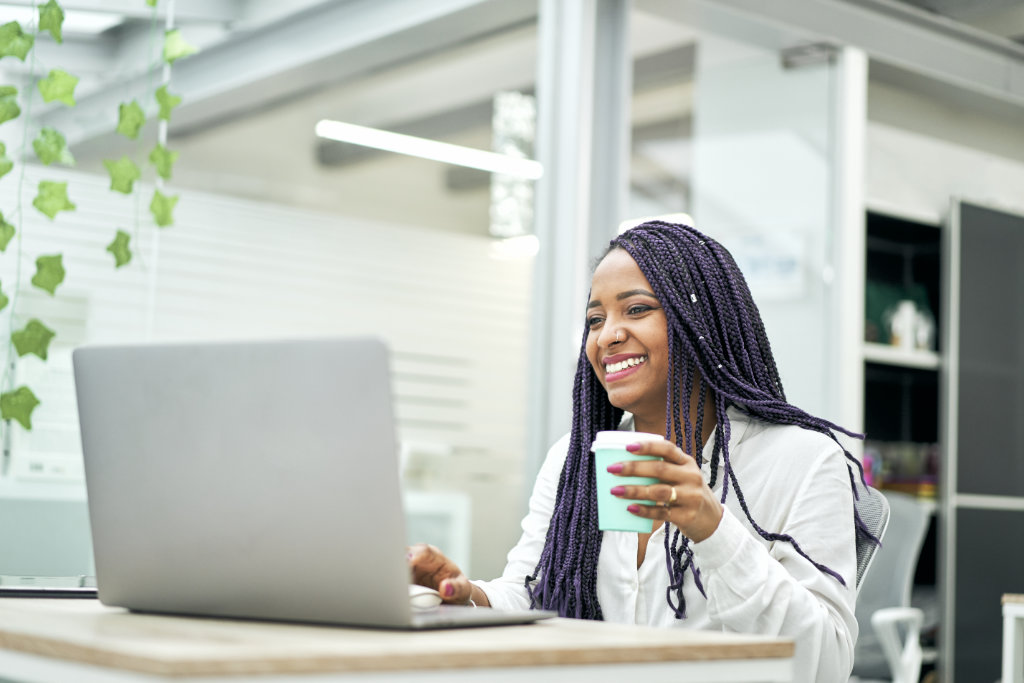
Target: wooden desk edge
(491, 657)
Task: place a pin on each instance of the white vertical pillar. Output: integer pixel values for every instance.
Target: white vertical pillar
(583, 88)
(611, 140)
(849, 250)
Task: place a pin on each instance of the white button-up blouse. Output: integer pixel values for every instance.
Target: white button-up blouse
(795, 482)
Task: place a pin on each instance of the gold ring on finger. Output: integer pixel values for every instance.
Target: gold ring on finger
(672, 499)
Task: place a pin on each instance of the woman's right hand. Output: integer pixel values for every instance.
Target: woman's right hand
(432, 569)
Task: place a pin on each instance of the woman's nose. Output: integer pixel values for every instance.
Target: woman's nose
(611, 334)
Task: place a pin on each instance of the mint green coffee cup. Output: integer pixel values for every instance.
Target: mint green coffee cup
(609, 448)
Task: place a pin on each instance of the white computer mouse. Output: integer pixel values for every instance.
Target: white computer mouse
(423, 597)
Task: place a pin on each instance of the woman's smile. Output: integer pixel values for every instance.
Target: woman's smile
(621, 365)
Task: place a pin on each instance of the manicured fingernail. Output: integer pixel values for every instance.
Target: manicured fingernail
(616, 468)
(449, 590)
(633, 508)
(633, 447)
(618, 490)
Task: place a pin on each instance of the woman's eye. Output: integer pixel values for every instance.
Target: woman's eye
(593, 321)
(637, 309)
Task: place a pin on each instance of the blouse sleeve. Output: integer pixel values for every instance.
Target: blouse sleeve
(770, 589)
(509, 591)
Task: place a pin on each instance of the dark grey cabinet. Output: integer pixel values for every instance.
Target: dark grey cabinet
(982, 431)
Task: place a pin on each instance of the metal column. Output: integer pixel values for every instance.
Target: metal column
(583, 89)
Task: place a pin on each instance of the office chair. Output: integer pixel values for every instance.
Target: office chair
(883, 601)
(873, 510)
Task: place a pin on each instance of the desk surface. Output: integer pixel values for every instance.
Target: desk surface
(84, 631)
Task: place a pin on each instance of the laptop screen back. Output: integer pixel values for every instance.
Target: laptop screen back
(253, 479)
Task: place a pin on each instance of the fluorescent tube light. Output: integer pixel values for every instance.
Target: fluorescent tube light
(429, 149)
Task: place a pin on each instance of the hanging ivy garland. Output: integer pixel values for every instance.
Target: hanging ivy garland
(52, 197)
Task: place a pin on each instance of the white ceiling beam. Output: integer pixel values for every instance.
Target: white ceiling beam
(79, 55)
(118, 54)
(184, 10)
(138, 47)
(1002, 21)
(296, 55)
(259, 12)
(889, 32)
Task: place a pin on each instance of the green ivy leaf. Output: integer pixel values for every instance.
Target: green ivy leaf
(51, 18)
(119, 248)
(14, 42)
(167, 102)
(6, 233)
(34, 338)
(59, 85)
(51, 146)
(130, 118)
(9, 108)
(163, 159)
(3, 301)
(49, 272)
(123, 173)
(52, 197)
(176, 47)
(162, 207)
(5, 164)
(18, 405)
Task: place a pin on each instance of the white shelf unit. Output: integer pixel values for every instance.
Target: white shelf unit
(901, 251)
(893, 355)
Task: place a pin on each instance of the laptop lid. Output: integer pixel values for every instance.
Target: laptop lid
(255, 479)
(251, 479)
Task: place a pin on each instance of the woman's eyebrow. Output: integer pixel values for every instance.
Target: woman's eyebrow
(624, 295)
(633, 292)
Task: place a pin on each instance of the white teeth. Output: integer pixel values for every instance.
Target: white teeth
(622, 365)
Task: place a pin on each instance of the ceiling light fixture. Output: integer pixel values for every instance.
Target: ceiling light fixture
(430, 149)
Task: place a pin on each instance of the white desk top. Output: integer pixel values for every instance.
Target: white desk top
(86, 632)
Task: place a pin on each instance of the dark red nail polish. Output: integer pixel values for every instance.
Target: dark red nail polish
(633, 508)
(449, 590)
(633, 447)
(618, 490)
(616, 468)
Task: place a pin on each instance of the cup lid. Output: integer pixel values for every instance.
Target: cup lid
(617, 439)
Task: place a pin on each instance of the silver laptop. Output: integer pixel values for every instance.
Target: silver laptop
(255, 480)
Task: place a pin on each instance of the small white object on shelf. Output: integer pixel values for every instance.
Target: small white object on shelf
(909, 358)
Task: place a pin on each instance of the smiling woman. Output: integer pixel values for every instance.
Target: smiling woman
(753, 526)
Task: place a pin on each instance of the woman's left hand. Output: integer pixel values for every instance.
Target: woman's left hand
(681, 496)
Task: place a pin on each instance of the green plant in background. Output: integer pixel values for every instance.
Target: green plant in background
(52, 197)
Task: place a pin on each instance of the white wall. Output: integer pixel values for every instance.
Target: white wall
(927, 146)
(914, 175)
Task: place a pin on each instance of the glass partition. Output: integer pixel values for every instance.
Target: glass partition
(282, 233)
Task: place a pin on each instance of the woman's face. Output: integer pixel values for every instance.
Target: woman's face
(634, 369)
